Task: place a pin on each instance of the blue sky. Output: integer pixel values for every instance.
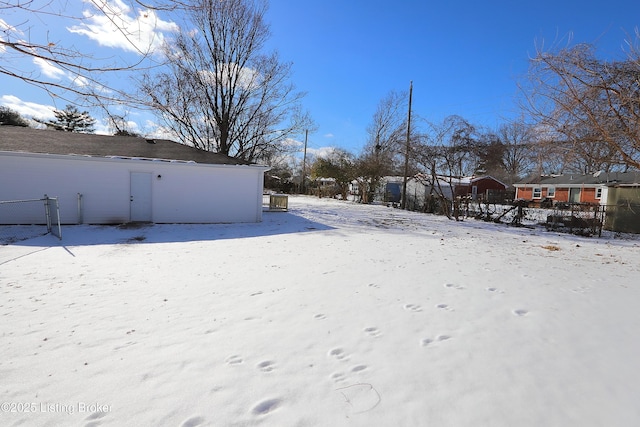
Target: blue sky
(464, 57)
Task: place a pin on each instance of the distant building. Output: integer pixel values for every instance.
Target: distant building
(102, 179)
(619, 192)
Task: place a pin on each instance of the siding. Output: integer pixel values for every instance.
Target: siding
(180, 192)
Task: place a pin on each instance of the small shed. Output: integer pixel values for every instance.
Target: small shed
(623, 208)
(101, 179)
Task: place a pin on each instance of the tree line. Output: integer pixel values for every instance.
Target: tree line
(211, 83)
(580, 115)
(215, 86)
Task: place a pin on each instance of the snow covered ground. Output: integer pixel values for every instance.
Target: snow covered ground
(332, 314)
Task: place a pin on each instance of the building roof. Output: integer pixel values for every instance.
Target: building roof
(29, 140)
(456, 181)
(598, 178)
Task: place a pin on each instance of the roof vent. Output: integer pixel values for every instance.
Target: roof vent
(151, 141)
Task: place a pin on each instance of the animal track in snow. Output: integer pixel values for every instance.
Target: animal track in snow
(520, 312)
(94, 417)
(426, 341)
(266, 406)
(412, 307)
(358, 368)
(338, 353)
(338, 377)
(266, 366)
(372, 331)
(193, 422)
(444, 307)
(234, 360)
(319, 316)
(453, 286)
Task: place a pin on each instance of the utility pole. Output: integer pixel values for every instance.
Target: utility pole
(403, 204)
(304, 161)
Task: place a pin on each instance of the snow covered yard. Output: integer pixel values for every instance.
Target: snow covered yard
(330, 314)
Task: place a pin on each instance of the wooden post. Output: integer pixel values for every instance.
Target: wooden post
(403, 205)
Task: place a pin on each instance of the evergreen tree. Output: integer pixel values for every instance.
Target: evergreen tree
(71, 120)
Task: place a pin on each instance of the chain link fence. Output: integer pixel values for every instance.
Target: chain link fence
(26, 219)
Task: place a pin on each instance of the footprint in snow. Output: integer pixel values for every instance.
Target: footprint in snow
(338, 377)
(233, 360)
(193, 422)
(266, 406)
(319, 316)
(426, 341)
(339, 354)
(94, 417)
(520, 312)
(444, 307)
(453, 286)
(266, 366)
(412, 307)
(372, 331)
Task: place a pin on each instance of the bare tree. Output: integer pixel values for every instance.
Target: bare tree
(451, 148)
(517, 139)
(221, 92)
(447, 153)
(57, 66)
(592, 105)
(382, 155)
(385, 132)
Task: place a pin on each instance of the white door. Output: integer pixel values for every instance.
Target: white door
(140, 197)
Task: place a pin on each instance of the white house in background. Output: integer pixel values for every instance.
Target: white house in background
(101, 179)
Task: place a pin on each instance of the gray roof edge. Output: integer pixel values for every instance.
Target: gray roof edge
(127, 159)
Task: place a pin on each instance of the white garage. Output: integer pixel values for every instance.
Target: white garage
(102, 179)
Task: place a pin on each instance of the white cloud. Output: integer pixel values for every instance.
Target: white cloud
(27, 109)
(114, 24)
(322, 152)
(329, 135)
(48, 69)
(155, 130)
(247, 78)
(292, 144)
(3, 27)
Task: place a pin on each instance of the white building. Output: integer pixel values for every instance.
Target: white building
(102, 179)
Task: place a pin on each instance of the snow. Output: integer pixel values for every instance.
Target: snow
(333, 313)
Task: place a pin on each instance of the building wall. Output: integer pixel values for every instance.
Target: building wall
(587, 194)
(180, 192)
(524, 193)
(623, 210)
(482, 185)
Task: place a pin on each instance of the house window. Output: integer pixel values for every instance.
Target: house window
(551, 192)
(537, 193)
(599, 193)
